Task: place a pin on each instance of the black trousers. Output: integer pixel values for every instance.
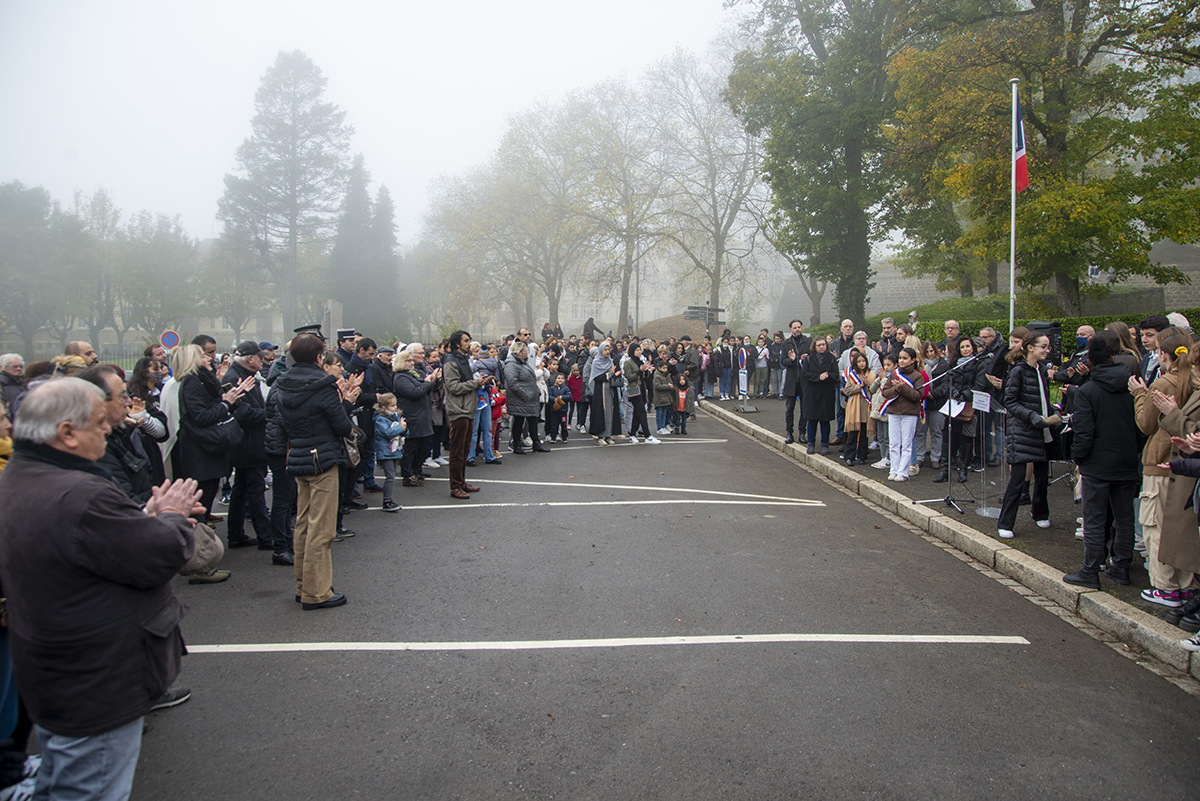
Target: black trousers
(789, 411)
(525, 425)
(1099, 497)
(639, 421)
(1037, 493)
(249, 488)
(857, 443)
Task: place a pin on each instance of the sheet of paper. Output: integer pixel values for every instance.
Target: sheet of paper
(952, 408)
(982, 401)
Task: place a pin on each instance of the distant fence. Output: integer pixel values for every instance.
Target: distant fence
(124, 356)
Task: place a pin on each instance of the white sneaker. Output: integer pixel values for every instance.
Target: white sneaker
(633, 440)
(602, 441)
(1043, 523)
(443, 460)
(882, 464)
(874, 446)
(430, 463)
(1079, 533)
(914, 469)
(650, 440)
(1005, 534)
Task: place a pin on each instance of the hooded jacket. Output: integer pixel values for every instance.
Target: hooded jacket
(1104, 404)
(314, 419)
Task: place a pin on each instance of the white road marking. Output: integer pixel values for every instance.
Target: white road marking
(685, 490)
(706, 501)
(620, 642)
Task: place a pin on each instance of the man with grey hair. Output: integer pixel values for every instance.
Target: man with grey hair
(891, 342)
(92, 622)
(12, 372)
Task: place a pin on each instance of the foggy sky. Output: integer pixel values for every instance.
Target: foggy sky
(151, 99)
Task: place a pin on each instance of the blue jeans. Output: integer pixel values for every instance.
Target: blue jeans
(661, 416)
(726, 378)
(812, 432)
(483, 419)
(98, 768)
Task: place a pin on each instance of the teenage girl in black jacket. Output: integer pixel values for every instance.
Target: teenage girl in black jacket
(1030, 416)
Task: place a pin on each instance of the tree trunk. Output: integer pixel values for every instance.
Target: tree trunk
(626, 274)
(1067, 291)
(714, 298)
(815, 289)
(993, 276)
(968, 286)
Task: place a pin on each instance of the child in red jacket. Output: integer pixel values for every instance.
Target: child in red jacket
(575, 382)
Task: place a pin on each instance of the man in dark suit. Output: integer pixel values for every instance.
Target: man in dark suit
(795, 349)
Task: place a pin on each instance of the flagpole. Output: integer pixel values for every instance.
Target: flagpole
(1012, 222)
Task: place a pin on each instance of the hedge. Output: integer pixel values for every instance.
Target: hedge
(935, 331)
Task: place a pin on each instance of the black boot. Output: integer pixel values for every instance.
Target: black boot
(1084, 578)
(1190, 622)
(788, 440)
(1190, 608)
(968, 450)
(944, 475)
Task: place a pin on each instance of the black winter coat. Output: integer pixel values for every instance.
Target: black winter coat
(968, 378)
(1022, 400)
(200, 406)
(413, 394)
(314, 419)
(251, 414)
(791, 375)
(819, 401)
(275, 441)
(125, 457)
(1103, 403)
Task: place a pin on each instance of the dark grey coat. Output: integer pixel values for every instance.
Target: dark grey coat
(521, 382)
(413, 393)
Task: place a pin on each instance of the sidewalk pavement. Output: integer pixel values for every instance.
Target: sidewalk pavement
(1037, 558)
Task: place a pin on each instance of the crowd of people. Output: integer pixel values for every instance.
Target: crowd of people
(90, 451)
(1123, 406)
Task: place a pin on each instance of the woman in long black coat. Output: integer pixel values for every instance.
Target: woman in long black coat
(201, 405)
(818, 404)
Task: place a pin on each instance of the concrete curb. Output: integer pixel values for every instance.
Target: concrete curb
(1127, 623)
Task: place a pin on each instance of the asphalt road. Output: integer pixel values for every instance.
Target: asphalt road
(629, 551)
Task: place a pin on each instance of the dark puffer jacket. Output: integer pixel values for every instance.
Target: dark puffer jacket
(1026, 441)
(522, 387)
(275, 441)
(1104, 404)
(314, 419)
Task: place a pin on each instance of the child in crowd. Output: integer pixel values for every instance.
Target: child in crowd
(575, 384)
(499, 412)
(664, 395)
(859, 425)
(888, 365)
(685, 403)
(556, 408)
(904, 394)
(389, 433)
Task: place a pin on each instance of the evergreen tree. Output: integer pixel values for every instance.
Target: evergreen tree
(292, 171)
(350, 261)
(383, 302)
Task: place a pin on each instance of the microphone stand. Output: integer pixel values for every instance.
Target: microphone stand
(949, 500)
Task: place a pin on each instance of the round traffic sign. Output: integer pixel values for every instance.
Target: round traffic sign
(169, 339)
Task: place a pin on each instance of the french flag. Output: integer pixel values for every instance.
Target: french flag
(1021, 169)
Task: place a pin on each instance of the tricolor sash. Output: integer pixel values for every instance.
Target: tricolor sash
(851, 378)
